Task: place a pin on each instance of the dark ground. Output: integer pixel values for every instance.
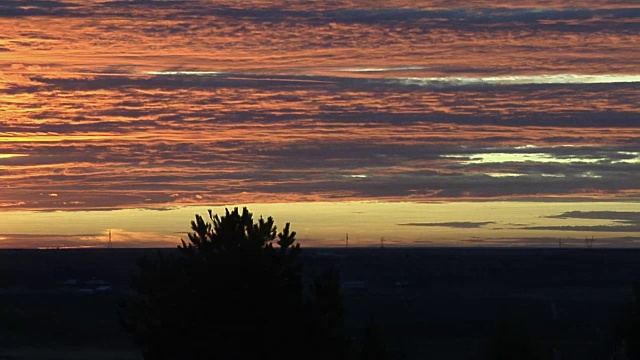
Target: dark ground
(431, 303)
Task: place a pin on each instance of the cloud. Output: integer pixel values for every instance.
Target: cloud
(625, 221)
(120, 239)
(588, 228)
(21, 8)
(362, 97)
(110, 129)
(517, 80)
(454, 224)
(16, 83)
(20, 241)
(146, 169)
(623, 216)
(14, 204)
(440, 17)
(332, 12)
(480, 15)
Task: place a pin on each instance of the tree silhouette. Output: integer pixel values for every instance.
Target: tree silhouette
(373, 346)
(511, 341)
(325, 316)
(627, 330)
(233, 292)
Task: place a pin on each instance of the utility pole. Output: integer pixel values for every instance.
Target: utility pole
(346, 240)
(588, 242)
(109, 244)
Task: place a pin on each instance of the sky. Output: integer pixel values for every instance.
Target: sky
(413, 123)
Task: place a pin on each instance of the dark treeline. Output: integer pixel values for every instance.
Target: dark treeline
(238, 288)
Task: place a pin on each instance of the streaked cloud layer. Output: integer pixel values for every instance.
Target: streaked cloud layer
(157, 104)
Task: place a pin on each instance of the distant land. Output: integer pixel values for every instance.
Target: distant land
(431, 302)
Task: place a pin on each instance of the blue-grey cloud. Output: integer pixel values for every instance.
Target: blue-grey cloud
(625, 221)
(480, 16)
(453, 224)
(588, 228)
(623, 216)
(23, 8)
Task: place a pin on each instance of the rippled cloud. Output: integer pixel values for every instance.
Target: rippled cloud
(157, 104)
(150, 141)
(300, 36)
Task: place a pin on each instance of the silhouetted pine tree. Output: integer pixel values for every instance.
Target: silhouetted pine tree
(235, 292)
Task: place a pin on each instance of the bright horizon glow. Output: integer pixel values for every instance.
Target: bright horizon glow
(326, 223)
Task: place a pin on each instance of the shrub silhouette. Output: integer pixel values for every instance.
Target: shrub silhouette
(233, 292)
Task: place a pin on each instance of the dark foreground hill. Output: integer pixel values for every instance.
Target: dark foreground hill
(430, 303)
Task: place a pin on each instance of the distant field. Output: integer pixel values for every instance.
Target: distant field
(431, 303)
